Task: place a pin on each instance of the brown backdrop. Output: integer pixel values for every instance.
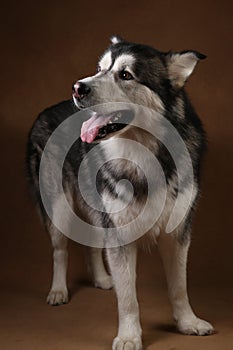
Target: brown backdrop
(46, 46)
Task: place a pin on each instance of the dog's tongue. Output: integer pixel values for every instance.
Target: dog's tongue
(91, 127)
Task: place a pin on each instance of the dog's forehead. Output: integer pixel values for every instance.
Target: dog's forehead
(108, 61)
(126, 54)
(123, 61)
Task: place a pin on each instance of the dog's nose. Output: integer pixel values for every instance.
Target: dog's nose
(81, 89)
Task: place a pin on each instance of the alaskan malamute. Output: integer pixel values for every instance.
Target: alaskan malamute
(127, 140)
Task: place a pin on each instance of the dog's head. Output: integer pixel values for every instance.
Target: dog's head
(131, 73)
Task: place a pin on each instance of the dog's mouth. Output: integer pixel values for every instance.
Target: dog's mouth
(100, 126)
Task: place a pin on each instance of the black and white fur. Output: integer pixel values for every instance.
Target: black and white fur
(156, 81)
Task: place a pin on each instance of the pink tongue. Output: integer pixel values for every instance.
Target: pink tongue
(91, 127)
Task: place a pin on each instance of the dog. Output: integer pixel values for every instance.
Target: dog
(153, 82)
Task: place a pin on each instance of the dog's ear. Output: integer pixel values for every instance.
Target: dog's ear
(115, 39)
(181, 65)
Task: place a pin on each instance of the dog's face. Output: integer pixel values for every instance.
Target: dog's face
(133, 73)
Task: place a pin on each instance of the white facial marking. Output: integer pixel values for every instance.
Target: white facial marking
(124, 61)
(106, 61)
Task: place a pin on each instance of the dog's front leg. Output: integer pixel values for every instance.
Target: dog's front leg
(122, 263)
(174, 256)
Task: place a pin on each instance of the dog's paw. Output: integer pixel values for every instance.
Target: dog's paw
(127, 344)
(104, 283)
(57, 297)
(195, 326)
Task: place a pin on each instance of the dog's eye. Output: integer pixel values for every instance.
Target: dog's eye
(125, 75)
(98, 69)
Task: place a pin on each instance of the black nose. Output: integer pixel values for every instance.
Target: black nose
(81, 89)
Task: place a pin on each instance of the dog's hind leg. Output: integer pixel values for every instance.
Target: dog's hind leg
(58, 294)
(174, 256)
(122, 263)
(97, 269)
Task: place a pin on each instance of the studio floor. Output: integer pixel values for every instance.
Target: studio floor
(89, 320)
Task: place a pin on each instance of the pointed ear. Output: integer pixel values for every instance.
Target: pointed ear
(181, 65)
(115, 39)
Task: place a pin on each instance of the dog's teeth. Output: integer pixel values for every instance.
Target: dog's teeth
(110, 122)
